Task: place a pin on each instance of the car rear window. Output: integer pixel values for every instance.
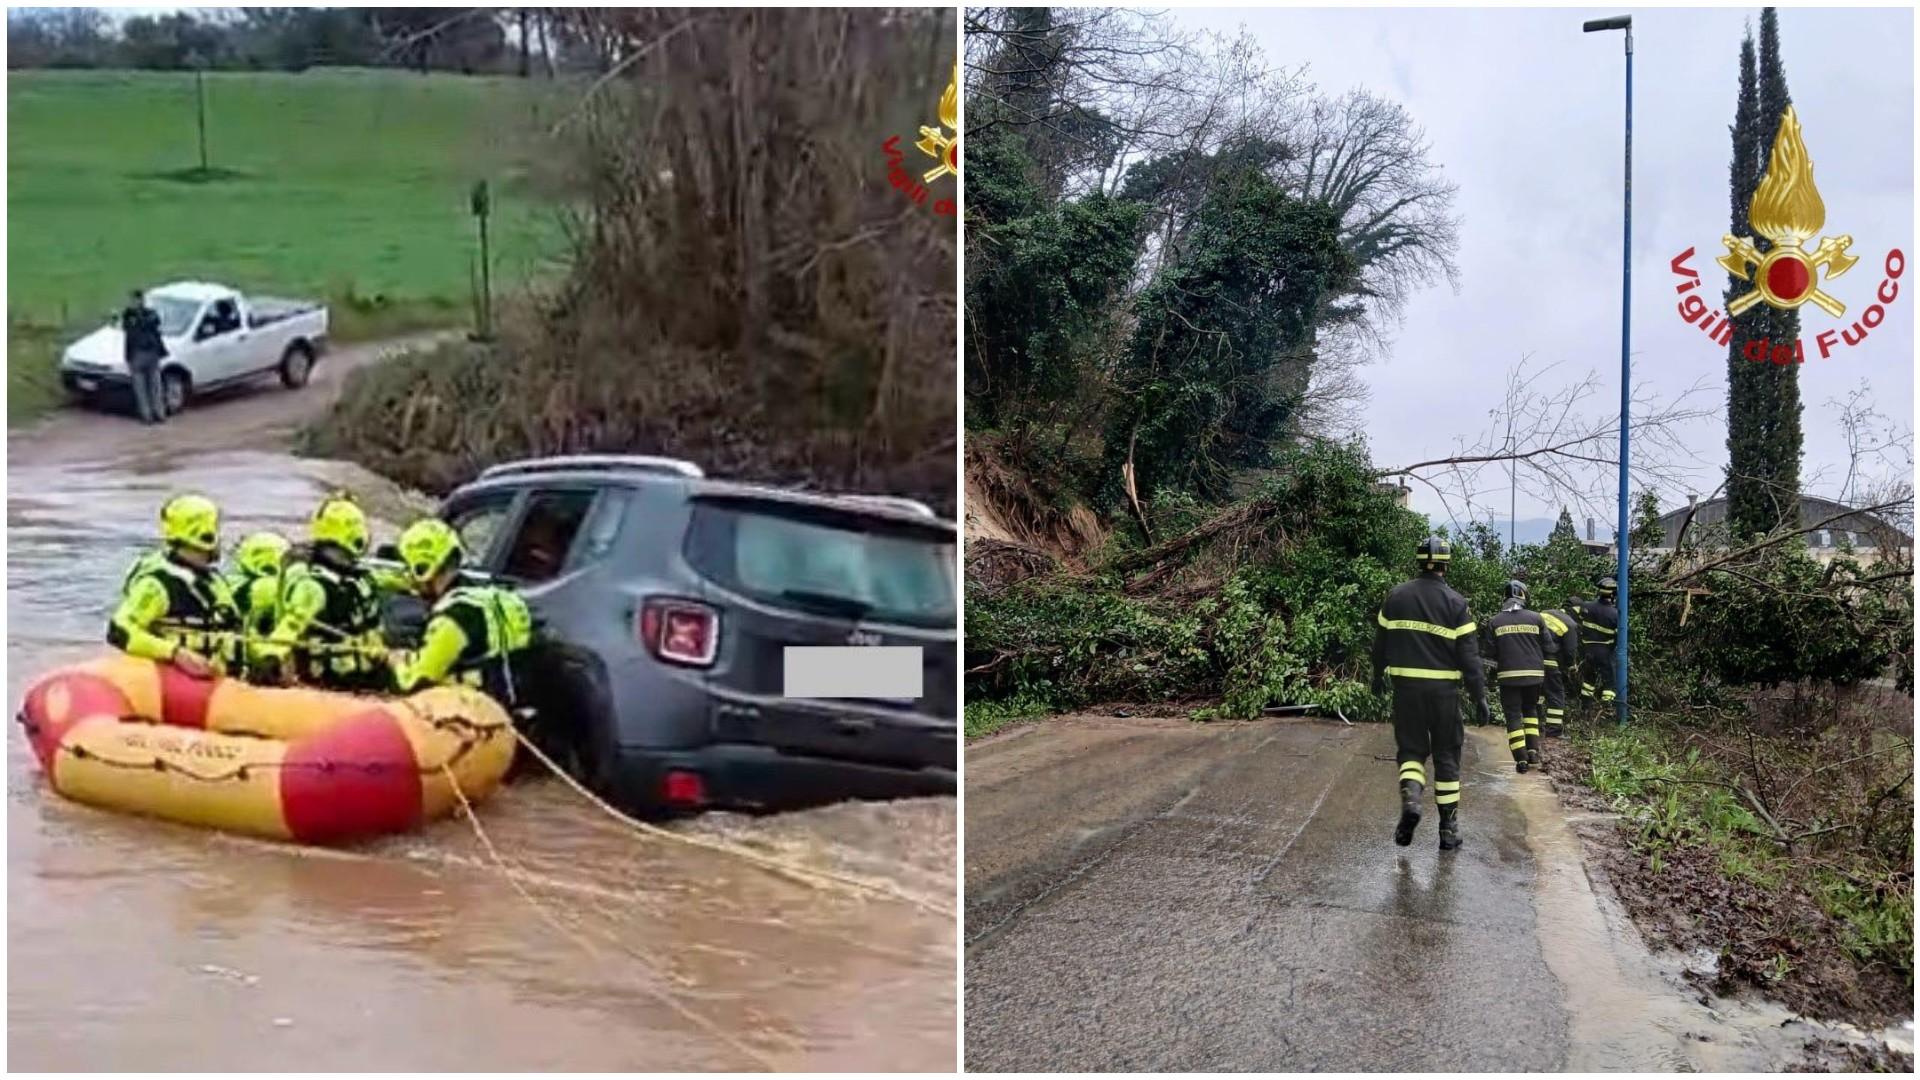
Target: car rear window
(825, 562)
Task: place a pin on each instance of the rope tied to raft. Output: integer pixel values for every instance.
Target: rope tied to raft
(825, 880)
(666, 997)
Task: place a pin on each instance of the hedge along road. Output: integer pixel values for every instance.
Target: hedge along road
(141, 944)
(1148, 894)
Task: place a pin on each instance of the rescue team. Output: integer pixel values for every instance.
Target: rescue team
(1427, 640)
(313, 615)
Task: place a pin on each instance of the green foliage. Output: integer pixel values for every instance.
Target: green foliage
(1069, 643)
(987, 717)
(1673, 798)
(1773, 621)
(1206, 385)
(1293, 626)
(1878, 917)
(1040, 289)
(1563, 529)
(1646, 531)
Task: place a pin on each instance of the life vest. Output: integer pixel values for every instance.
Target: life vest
(496, 623)
(343, 642)
(200, 610)
(257, 598)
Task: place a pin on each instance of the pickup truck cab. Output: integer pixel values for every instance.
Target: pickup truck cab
(215, 337)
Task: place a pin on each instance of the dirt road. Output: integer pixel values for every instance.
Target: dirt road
(138, 944)
(1162, 895)
(259, 416)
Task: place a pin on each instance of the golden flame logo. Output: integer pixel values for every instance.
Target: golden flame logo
(1786, 207)
(1788, 211)
(935, 143)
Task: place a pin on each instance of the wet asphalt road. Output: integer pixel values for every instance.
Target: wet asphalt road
(1163, 895)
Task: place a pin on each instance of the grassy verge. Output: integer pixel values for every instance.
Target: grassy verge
(349, 186)
(1786, 853)
(986, 717)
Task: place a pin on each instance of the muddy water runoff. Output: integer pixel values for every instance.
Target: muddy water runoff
(143, 945)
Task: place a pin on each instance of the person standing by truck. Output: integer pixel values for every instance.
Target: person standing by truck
(140, 332)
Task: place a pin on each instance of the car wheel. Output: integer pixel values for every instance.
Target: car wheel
(174, 391)
(296, 367)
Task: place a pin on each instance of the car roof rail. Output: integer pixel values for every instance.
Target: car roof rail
(896, 502)
(597, 462)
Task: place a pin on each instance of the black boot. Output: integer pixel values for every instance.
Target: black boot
(1449, 828)
(1520, 765)
(1409, 812)
(1533, 756)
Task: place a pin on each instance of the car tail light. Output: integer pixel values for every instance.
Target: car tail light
(681, 788)
(680, 631)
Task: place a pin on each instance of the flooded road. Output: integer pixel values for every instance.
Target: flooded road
(1147, 894)
(139, 944)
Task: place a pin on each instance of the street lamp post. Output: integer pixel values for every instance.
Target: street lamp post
(1623, 23)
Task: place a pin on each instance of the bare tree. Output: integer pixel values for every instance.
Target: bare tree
(1366, 157)
(1561, 452)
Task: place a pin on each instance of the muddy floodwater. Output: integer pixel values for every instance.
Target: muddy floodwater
(135, 944)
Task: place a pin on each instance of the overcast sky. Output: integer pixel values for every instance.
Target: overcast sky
(1524, 111)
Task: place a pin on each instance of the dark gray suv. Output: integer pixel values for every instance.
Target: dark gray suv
(668, 601)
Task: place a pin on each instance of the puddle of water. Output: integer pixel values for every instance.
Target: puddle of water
(1630, 1010)
(138, 944)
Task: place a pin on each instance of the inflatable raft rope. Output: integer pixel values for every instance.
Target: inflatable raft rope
(294, 764)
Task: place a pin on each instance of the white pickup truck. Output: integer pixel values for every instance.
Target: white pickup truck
(215, 337)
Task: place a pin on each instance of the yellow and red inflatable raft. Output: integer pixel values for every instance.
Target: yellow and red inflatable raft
(292, 764)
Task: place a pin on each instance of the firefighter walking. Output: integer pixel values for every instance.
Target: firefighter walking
(1564, 628)
(1599, 622)
(1522, 644)
(1425, 640)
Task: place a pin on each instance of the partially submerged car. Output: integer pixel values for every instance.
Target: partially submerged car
(670, 603)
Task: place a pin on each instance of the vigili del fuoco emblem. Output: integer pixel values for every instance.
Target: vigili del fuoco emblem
(1788, 211)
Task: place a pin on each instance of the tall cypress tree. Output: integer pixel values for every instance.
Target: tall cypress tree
(1746, 412)
(1763, 399)
(1783, 327)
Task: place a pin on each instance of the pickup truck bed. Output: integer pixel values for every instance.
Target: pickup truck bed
(268, 310)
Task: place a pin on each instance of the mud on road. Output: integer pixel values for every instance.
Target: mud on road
(1154, 894)
(140, 944)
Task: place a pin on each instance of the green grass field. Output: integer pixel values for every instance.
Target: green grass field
(347, 185)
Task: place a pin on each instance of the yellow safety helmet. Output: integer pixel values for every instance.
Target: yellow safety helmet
(191, 521)
(262, 554)
(426, 547)
(340, 521)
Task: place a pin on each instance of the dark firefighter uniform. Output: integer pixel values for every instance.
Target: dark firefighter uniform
(1521, 645)
(1425, 640)
(471, 637)
(1564, 630)
(1599, 622)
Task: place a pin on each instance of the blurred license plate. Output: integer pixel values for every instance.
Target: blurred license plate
(892, 673)
(87, 384)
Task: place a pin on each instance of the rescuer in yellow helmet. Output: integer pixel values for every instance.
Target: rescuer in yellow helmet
(326, 628)
(472, 632)
(173, 606)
